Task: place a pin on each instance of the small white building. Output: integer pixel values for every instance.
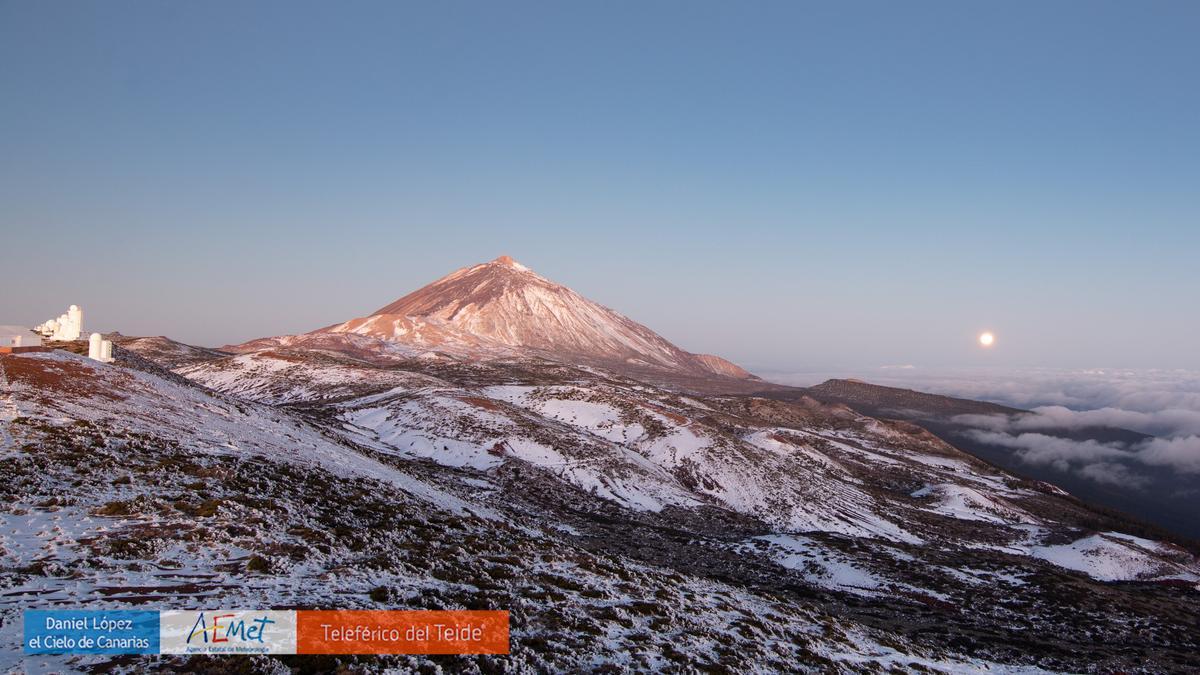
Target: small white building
(100, 349)
(19, 336)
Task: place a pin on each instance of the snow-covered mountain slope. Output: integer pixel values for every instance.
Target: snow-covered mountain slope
(124, 488)
(614, 439)
(796, 467)
(503, 309)
(768, 492)
(47, 390)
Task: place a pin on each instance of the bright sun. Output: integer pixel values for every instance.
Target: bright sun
(986, 339)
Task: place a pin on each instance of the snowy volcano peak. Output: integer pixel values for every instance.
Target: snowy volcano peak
(502, 306)
(507, 261)
(476, 284)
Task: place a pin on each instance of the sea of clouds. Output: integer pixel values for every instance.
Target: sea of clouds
(1164, 404)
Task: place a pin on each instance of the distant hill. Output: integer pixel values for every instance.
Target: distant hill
(874, 399)
(165, 351)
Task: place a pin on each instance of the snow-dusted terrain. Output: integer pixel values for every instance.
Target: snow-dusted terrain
(126, 487)
(799, 493)
(645, 449)
(628, 523)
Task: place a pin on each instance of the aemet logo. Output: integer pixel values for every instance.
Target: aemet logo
(228, 632)
(234, 627)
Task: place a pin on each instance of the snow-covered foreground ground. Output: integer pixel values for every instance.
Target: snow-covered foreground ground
(624, 525)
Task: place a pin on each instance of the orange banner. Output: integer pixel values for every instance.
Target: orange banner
(401, 632)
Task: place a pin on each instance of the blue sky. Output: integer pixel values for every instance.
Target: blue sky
(791, 185)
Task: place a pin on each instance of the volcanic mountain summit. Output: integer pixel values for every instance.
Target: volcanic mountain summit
(502, 308)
